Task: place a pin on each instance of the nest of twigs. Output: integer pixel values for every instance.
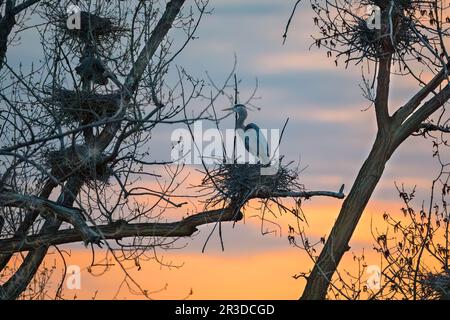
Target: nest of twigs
(375, 42)
(92, 26)
(440, 284)
(84, 107)
(235, 184)
(104, 29)
(86, 162)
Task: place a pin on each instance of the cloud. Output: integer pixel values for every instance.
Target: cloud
(281, 62)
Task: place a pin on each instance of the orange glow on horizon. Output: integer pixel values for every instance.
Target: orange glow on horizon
(233, 274)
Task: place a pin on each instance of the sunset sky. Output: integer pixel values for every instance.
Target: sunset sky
(328, 132)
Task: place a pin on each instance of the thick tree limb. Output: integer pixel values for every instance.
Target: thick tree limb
(48, 208)
(302, 194)
(10, 199)
(382, 97)
(135, 75)
(351, 211)
(28, 221)
(404, 112)
(414, 122)
(24, 5)
(160, 31)
(22, 277)
(7, 23)
(121, 229)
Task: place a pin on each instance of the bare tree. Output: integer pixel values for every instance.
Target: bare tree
(75, 132)
(411, 40)
(80, 139)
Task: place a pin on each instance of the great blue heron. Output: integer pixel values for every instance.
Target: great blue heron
(254, 140)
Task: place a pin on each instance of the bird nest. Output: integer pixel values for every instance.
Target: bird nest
(86, 162)
(92, 26)
(104, 30)
(374, 42)
(235, 184)
(84, 107)
(345, 29)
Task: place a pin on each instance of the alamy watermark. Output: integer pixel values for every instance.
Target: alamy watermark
(373, 21)
(213, 146)
(73, 277)
(74, 17)
(374, 280)
(373, 17)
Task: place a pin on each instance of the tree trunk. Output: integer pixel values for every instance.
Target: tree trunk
(6, 24)
(351, 211)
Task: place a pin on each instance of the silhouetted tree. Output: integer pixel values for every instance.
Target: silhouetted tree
(411, 40)
(75, 129)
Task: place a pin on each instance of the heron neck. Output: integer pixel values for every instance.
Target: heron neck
(240, 121)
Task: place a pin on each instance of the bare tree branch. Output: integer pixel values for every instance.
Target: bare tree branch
(404, 112)
(122, 229)
(49, 208)
(427, 127)
(382, 97)
(160, 31)
(414, 122)
(300, 194)
(15, 285)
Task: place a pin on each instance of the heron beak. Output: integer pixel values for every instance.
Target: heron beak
(228, 109)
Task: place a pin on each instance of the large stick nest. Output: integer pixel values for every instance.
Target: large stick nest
(235, 184)
(375, 42)
(82, 160)
(439, 283)
(345, 30)
(92, 26)
(84, 107)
